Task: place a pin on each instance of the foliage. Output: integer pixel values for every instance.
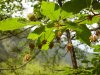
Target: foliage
(8, 7)
(52, 19)
(14, 23)
(37, 68)
(97, 48)
(54, 12)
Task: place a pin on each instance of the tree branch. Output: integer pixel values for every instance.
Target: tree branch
(15, 34)
(72, 52)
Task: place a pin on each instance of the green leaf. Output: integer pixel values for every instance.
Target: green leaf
(14, 23)
(74, 7)
(82, 32)
(10, 24)
(50, 25)
(94, 19)
(85, 61)
(96, 48)
(36, 33)
(73, 26)
(65, 14)
(50, 10)
(40, 39)
(45, 47)
(48, 35)
(41, 34)
(33, 36)
(33, 23)
(84, 35)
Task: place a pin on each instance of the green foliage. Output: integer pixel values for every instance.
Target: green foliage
(56, 19)
(36, 33)
(74, 6)
(96, 48)
(73, 26)
(91, 20)
(14, 23)
(51, 10)
(41, 34)
(48, 35)
(35, 68)
(96, 64)
(10, 6)
(84, 34)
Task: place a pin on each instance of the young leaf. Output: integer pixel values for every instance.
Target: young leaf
(65, 14)
(48, 35)
(14, 23)
(33, 36)
(50, 10)
(36, 33)
(45, 47)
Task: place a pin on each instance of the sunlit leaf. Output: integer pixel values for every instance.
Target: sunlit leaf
(33, 36)
(50, 10)
(14, 23)
(49, 35)
(45, 47)
(36, 33)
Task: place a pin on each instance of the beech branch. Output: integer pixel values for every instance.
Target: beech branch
(16, 33)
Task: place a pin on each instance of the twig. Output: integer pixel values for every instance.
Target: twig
(16, 34)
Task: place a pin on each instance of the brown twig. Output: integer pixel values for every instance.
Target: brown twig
(15, 34)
